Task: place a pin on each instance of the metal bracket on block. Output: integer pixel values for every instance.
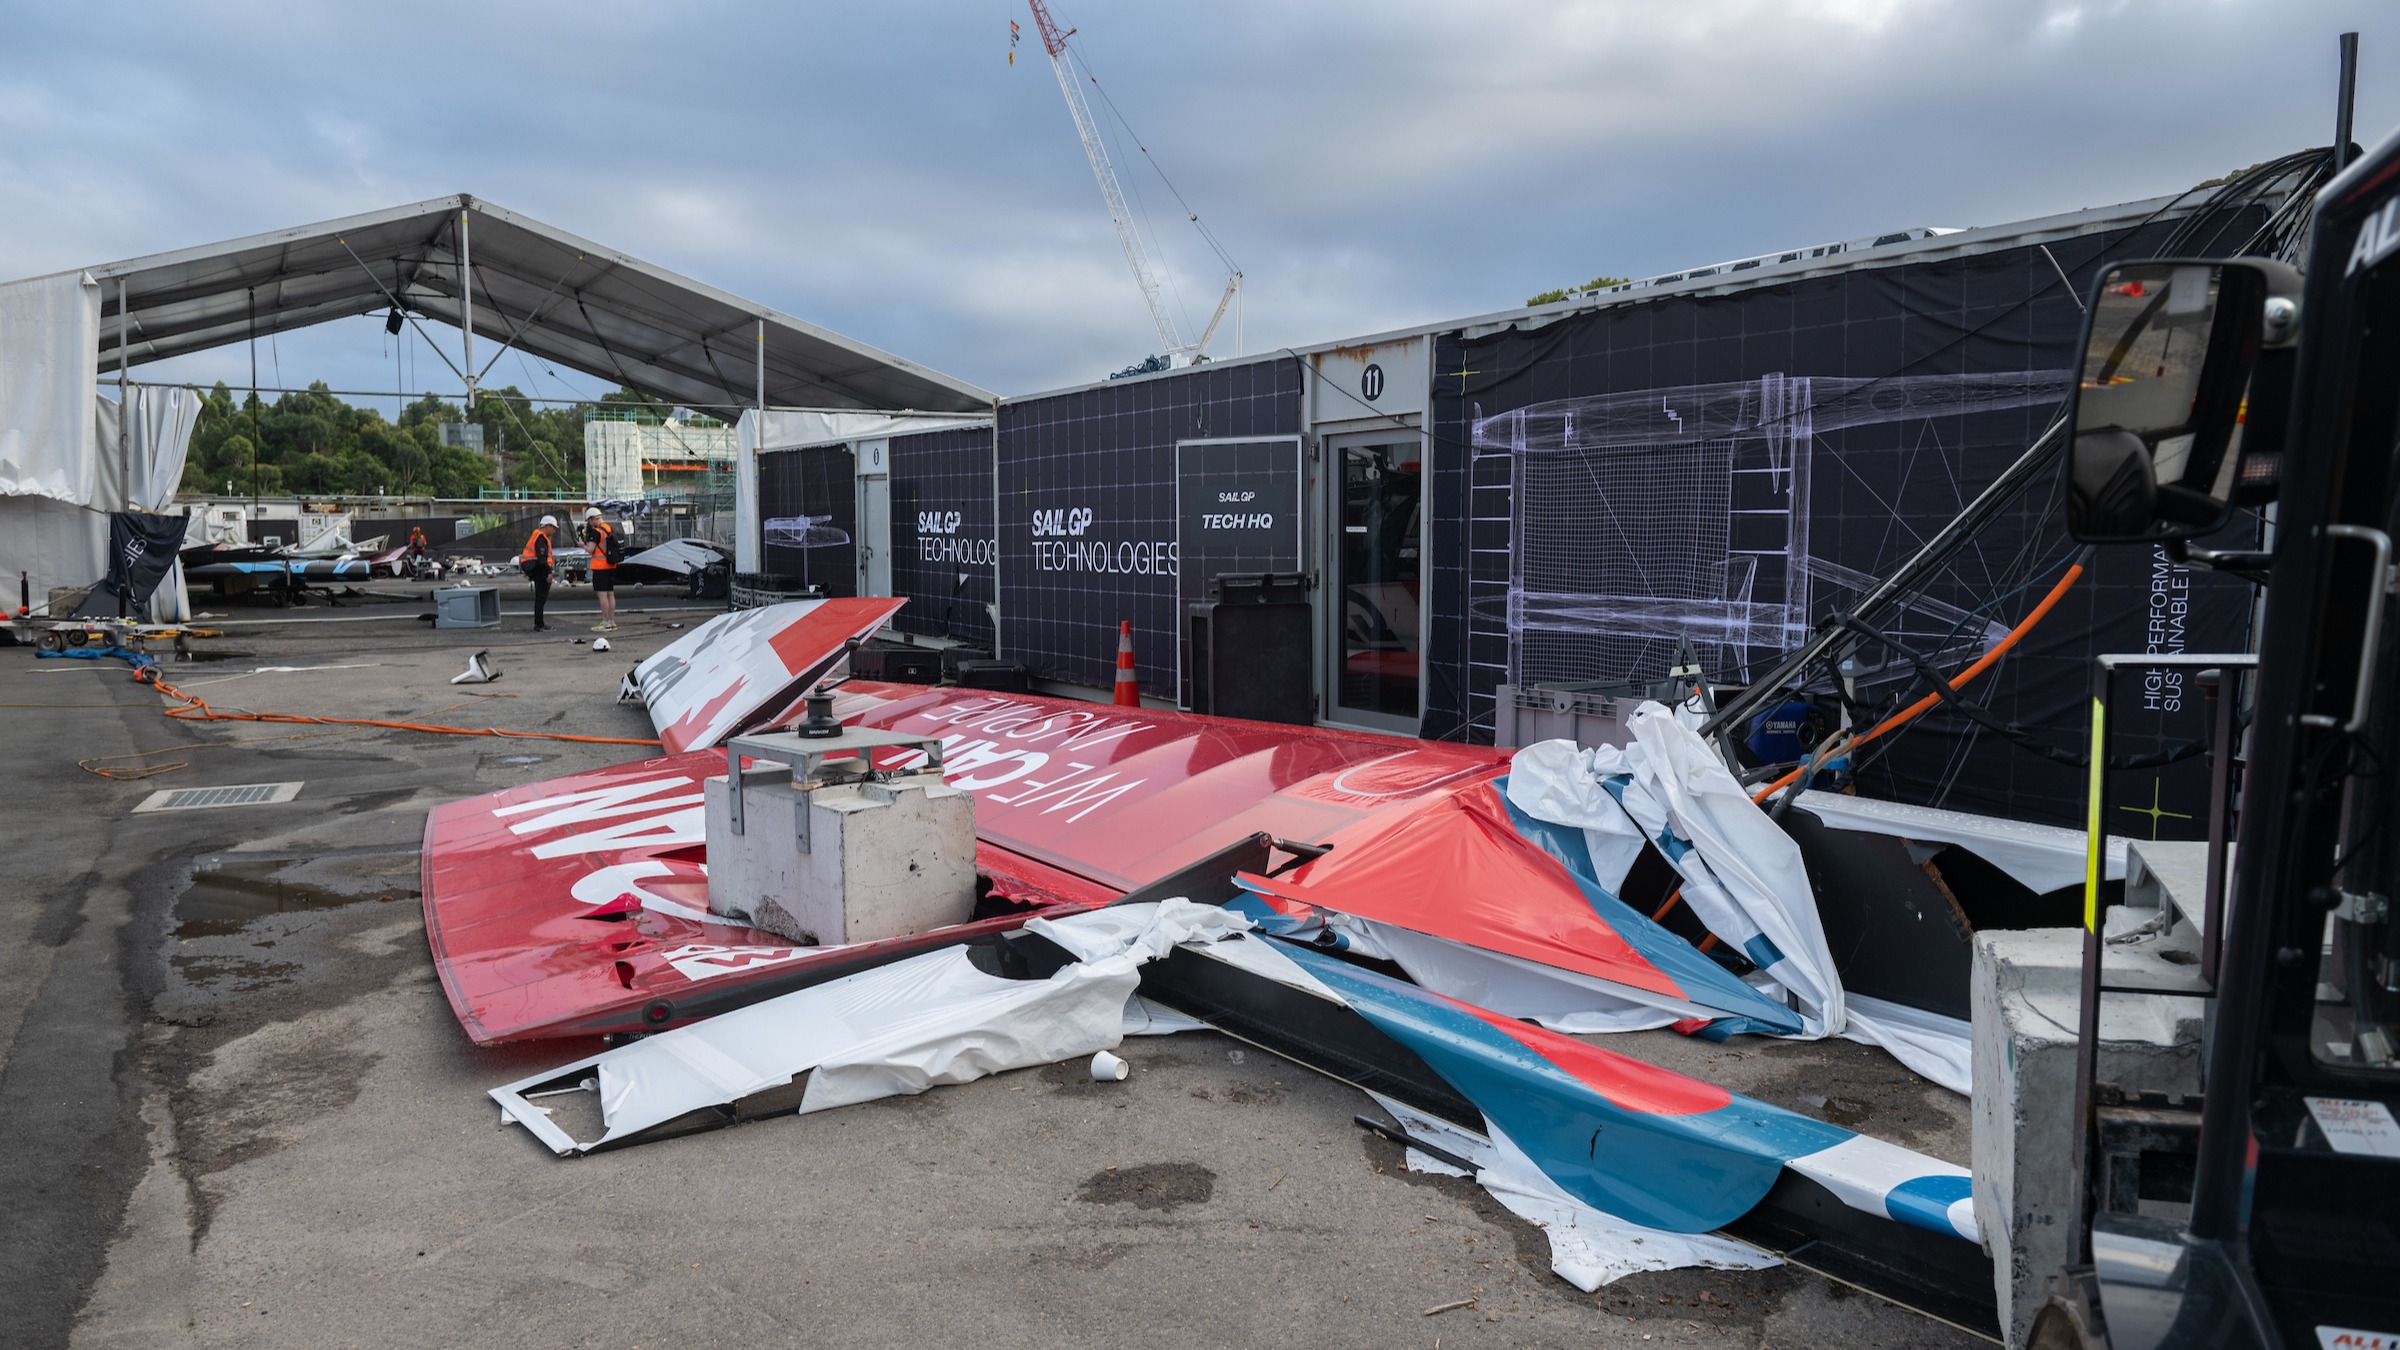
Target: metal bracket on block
(807, 755)
(733, 786)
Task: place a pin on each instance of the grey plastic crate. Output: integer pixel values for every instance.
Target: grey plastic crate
(1588, 716)
(467, 607)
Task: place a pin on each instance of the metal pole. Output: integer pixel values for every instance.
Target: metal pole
(254, 432)
(466, 331)
(2345, 101)
(124, 405)
(2083, 1153)
(2224, 702)
(758, 442)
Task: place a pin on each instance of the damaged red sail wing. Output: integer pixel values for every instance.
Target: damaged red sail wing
(749, 668)
(1127, 796)
(1076, 803)
(522, 907)
(1454, 867)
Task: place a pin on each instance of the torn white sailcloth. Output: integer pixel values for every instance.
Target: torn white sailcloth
(1743, 876)
(892, 1031)
(2043, 858)
(1588, 1248)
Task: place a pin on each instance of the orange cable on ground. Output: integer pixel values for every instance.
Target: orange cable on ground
(196, 709)
(1982, 664)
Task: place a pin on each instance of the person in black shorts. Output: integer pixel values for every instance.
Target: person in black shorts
(536, 563)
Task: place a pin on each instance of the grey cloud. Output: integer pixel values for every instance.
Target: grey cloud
(881, 170)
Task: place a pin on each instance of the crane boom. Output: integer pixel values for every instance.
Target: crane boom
(1055, 43)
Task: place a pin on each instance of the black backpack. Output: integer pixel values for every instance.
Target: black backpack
(616, 544)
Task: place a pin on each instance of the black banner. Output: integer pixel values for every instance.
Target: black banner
(1733, 468)
(1237, 510)
(1087, 511)
(808, 516)
(141, 548)
(944, 555)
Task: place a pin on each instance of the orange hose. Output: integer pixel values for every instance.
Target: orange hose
(196, 709)
(1982, 664)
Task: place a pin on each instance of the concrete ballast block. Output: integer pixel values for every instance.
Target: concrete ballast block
(881, 859)
(2026, 991)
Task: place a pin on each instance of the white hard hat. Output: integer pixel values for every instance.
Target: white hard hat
(550, 522)
(591, 512)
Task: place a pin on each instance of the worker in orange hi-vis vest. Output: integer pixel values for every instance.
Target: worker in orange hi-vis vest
(606, 548)
(536, 563)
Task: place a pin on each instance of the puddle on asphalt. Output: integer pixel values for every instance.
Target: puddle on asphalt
(1845, 1111)
(227, 894)
(207, 654)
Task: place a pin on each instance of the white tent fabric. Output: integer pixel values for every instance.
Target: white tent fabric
(47, 543)
(49, 361)
(799, 428)
(151, 467)
(143, 473)
(54, 543)
(1742, 875)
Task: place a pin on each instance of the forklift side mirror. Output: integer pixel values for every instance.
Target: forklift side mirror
(2168, 354)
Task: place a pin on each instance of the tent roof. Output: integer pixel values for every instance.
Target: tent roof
(539, 289)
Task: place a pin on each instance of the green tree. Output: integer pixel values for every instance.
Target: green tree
(1553, 297)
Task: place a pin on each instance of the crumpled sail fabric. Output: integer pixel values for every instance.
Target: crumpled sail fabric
(1742, 875)
(894, 1031)
(1460, 890)
(1587, 1248)
(1680, 1154)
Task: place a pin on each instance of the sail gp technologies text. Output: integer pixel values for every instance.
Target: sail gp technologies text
(938, 541)
(1061, 543)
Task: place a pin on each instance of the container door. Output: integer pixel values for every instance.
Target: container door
(1374, 558)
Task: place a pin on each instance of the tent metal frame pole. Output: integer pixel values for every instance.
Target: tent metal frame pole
(124, 407)
(253, 406)
(466, 332)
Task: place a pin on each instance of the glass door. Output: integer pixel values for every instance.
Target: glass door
(1377, 560)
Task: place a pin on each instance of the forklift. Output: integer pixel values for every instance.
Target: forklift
(2207, 386)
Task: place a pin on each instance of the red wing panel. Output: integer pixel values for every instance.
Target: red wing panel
(749, 667)
(1453, 866)
(1076, 803)
(1126, 797)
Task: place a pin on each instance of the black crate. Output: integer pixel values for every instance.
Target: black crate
(954, 657)
(1248, 652)
(898, 665)
(1005, 677)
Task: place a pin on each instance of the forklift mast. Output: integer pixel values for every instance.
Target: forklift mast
(2293, 1237)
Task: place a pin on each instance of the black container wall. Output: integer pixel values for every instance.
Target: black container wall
(1087, 511)
(1735, 467)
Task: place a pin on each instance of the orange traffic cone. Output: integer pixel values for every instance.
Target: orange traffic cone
(1129, 690)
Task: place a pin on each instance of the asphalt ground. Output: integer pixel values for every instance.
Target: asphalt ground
(235, 1109)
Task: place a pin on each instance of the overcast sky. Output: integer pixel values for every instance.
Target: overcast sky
(881, 169)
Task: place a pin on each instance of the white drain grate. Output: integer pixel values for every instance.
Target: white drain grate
(208, 798)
